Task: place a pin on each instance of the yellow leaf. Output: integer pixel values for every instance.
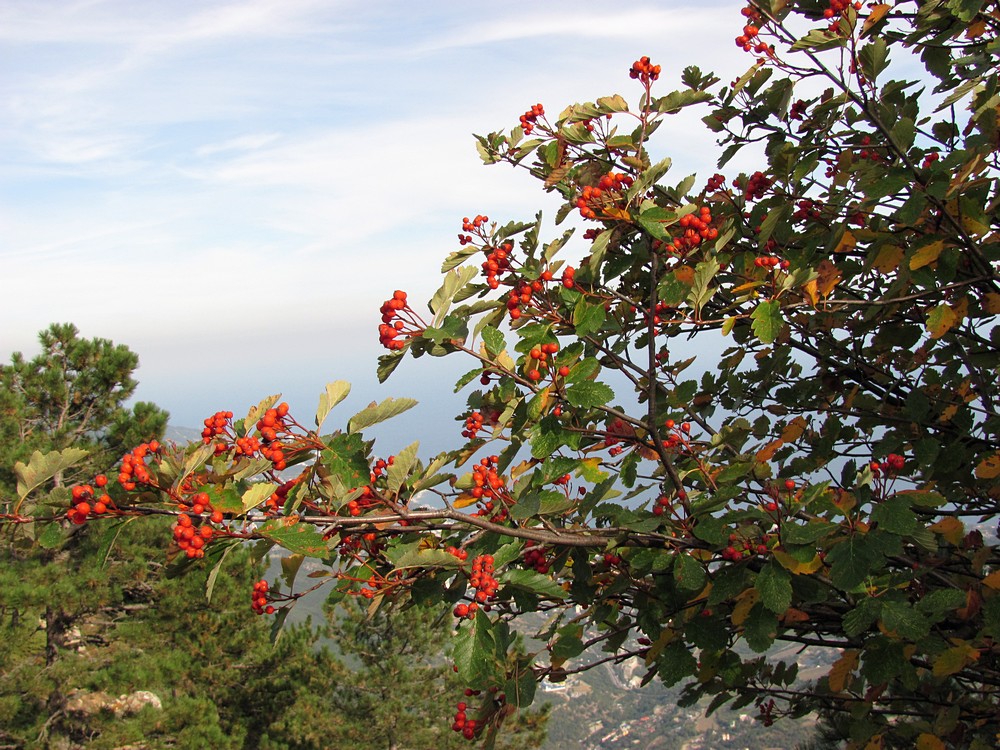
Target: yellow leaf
(875, 743)
(794, 429)
(464, 500)
(744, 603)
(685, 275)
(950, 528)
(991, 303)
(766, 453)
(842, 669)
(796, 567)
(516, 471)
(829, 276)
(876, 13)
(792, 615)
(847, 242)
(926, 255)
(929, 742)
(993, 580)
(961, 307)
(948, 412)
(888, 259)
(953, 660)
(989, 467)
(811, 290)
(940, 320)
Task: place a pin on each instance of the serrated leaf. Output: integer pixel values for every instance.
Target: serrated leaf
(475, 652)
(375, 413)
(766, 321)
(426, 558)
(256, 412)
(989, 467)
(647, 179)
(775, 587)
(494, 340)
(852, 561)
(454, 280)
(689, 574)
(589, 393)
(940, 320)
(335, 393)
(257, 494)
(401, 466)
(842, 669)
(537, 583)
(301, 538)
(41, 467)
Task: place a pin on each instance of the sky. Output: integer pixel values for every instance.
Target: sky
(233, 188)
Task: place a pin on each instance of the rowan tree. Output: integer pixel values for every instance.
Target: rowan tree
(819, 467)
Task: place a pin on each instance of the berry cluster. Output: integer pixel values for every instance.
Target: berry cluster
(497, 262)
(595, 199)
(485, 585)
(457, 552)
(462, 723)
(133, 470)
(190, 538)
(770, 262)
(84, 500)
(835, 11)
(259, 599)
(539, 359)
(930, 159)
(398, 319)
(664, 503)
(643, 71)
(749, 41)
(536, 557)
(697, 227)
(798, 110)
(490, 490)
(893, 464)
(715, 182)
(743, 546)
(273, 424)
(808, 210)
(757, 185)
(529, 118)
(216, 426)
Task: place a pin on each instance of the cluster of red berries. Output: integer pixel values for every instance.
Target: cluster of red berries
(767, 713)
(893, 464)
(529, 118)
(930, 159)
(644, 71)
(616, 430)
(190, 538)
(133, 470)
(259, 599)
(462, 723)
(485, 585)
(798, 110)
(536, 557)
(473, 424)
(835, 10)
(664, 503)
(539, 359)
(697, 227)
(867, 153)
(271, 425)
(595, 198)
(749, 41)
(808, 210)
(678, 432)
(490, 490)
(497, 262)
(84, 500)
(757, 185)
(715, 182)
(277, 499)
(215, 426)
(741, 547)
(770, 261)
(457, 552)
(395, 325)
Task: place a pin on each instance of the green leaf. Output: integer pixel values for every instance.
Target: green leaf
(433, 557)
(335, 393)
(301, 538)
(611, 104)
(701, 292)
(903, 619)
(675, 100)
(775, 586)
(387, 363)
(494, 341)
(761, 628)
(859, 619)
(587, 318)
(852, 561)
(537, 583)
(647, 179)
(258, 493)
(895, 516)
(214, 574)
(52, 536)
(401, 466)
(454, 280)
(42, 467)
(818, 40)
(675, 663)
(589, 393)
(475, 652)
(767, 321)
(689, 575)
(375, 413)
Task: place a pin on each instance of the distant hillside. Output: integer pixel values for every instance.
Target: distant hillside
(182, 435)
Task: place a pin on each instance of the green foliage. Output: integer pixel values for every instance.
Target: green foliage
(830, 479)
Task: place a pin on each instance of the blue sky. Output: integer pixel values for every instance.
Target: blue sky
(233, 188)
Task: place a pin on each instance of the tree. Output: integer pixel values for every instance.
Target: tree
(829, 478)
(72, 394)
